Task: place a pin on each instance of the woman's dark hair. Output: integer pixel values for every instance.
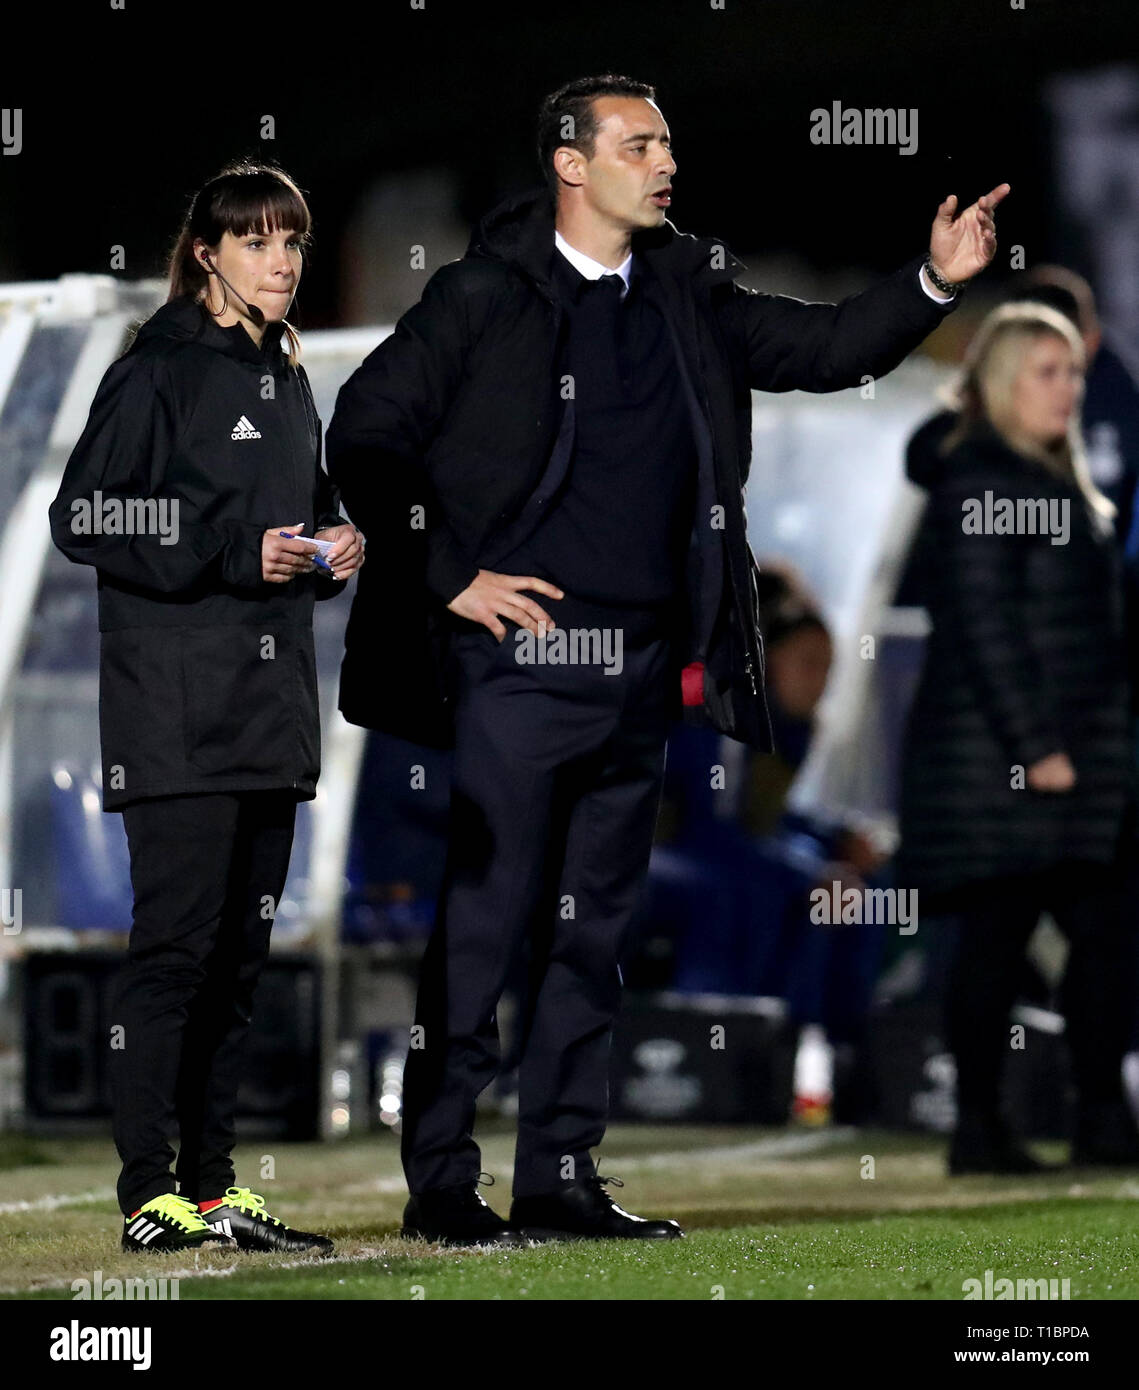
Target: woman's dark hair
(566, 117)
(245, 197)
(786, 604)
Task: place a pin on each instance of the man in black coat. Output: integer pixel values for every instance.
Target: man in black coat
(567, 413)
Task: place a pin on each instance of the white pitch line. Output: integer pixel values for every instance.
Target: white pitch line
(63, 1199)
(238, 1265)
(374, 1185)
(779, 1146)
(782, 1146)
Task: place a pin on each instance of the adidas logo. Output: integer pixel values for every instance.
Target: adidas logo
(244, 429)
(223, 1226)
(144, 1230)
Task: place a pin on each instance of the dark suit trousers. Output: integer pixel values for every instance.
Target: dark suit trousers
(556, 785)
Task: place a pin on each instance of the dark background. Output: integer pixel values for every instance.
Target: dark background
(126, 112)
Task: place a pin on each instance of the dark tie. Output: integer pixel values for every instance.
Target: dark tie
(600, 320)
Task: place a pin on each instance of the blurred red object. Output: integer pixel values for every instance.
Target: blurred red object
(692, 684)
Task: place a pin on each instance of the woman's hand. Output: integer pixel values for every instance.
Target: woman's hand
(347, 553)
(1054, 773)
(283, 559)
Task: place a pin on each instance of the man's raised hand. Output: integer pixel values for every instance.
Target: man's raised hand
(962, 246)
(491, 595)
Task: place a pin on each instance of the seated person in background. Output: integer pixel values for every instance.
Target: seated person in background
(733, 869)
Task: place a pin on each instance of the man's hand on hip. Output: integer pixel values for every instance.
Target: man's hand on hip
(490, 596)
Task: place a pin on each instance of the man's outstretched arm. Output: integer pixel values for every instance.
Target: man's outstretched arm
(792, 345)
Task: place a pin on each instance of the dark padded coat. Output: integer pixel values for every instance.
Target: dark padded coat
(1026, 658)
(453, 418)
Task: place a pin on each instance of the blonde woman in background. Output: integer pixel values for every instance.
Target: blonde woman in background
(1018, 791)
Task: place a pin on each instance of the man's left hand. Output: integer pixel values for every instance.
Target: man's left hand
(961, 247)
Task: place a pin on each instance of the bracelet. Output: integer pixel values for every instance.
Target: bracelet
(938, 281)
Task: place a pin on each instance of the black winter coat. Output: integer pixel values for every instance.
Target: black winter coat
(207, 677)
(1025, 658)
(450, 423)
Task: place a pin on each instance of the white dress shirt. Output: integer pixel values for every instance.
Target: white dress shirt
(591, 269)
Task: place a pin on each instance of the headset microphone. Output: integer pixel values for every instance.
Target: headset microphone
(256, 317)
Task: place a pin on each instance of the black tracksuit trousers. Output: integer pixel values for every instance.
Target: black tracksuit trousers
(207, 873)
(555, 789)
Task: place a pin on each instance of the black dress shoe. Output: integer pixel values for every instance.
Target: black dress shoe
(983, 1144)
(583, 1210)
(1106, 1137)
(242, 1215)
(456, 1215)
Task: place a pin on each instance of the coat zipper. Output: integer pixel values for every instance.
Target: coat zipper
(298, 382)
(744, 618)
(551, 434)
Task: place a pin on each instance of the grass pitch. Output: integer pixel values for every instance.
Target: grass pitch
(770, 1214)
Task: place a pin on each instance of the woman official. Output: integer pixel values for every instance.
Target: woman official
(1018, 792)
(201, 447)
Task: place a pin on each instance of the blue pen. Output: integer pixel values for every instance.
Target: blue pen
(317, 558)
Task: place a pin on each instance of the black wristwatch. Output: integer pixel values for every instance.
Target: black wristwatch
(939, 282)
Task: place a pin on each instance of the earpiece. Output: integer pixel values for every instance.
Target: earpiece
(255, 316)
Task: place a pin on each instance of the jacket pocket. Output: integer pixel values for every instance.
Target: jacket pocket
(241, 702)
(140, 711)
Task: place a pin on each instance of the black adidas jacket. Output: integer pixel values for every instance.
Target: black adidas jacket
(451, 420)
(207, 672)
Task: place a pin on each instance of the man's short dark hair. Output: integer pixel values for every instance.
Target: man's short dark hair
(1055, 296)
(575, 100)
(1060, 288)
